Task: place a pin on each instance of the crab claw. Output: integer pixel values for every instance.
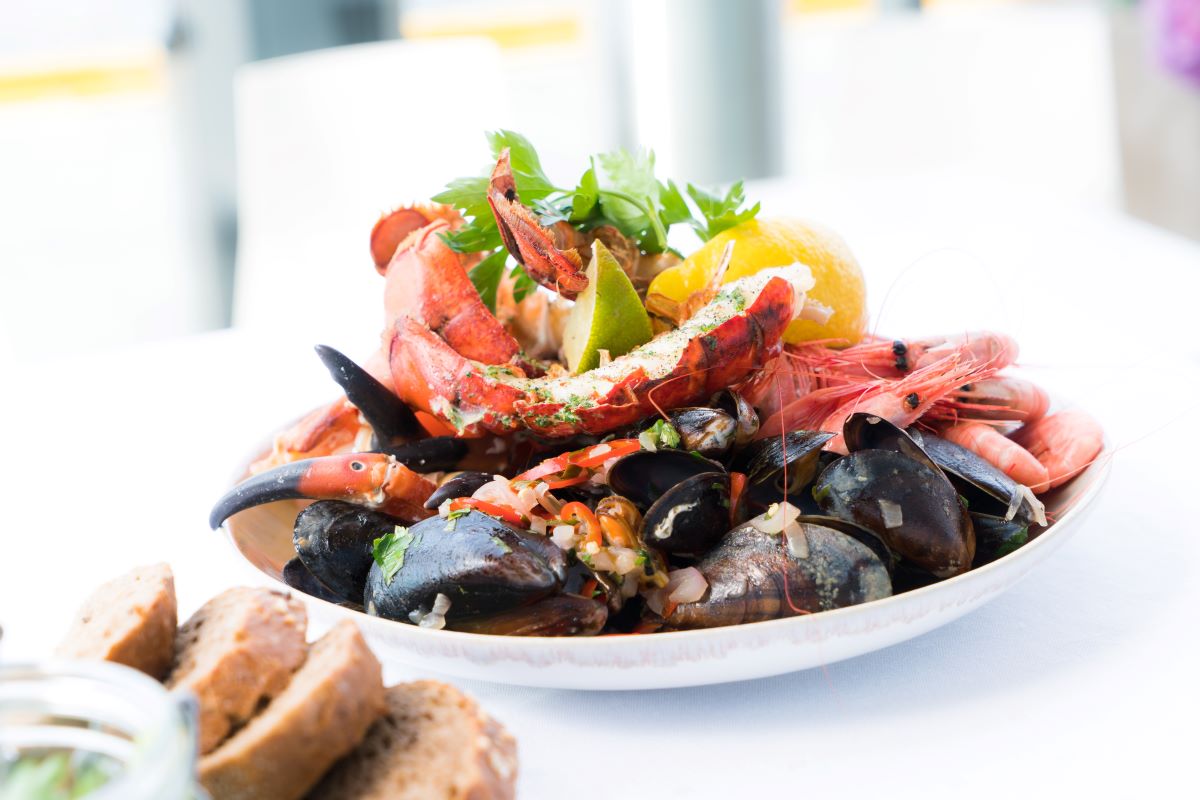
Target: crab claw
(530, 243)
(375, 480)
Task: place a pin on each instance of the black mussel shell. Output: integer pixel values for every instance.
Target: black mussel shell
(484, 566)
(708, 431)
(644, 476)
(334, 539)
(767, 462)
(870, 432)
(463, 484)
(559, 615)
(865, 536)
(911, 505)
(690, 517)
(738, 407)
(986, 487)
(435, 454)
(297, 576)
(996, 537)
(390, 418)
(754, 576)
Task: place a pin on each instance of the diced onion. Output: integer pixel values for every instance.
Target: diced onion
(601, 559)
(435, 618)
(685, 585)
(624, 559)
(647, 440)
(797, 540)
(564, 536)
(776, 518)
(537, 525)
(892, 513)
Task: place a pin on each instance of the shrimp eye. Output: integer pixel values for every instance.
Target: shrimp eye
(510, 195)
(357, 466)
(912, 401)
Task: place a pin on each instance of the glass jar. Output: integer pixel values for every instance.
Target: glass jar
(116, 733)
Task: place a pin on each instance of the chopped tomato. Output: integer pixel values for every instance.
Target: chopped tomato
(737, 486)
(493, 509)
(566, 479)
(547, 467)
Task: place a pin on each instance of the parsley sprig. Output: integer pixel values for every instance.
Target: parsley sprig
(618, 188)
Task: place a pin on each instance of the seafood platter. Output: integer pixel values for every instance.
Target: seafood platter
(581, 456)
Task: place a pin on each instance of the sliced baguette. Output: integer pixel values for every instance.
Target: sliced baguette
(321, 716)
(239, 649)
(130, 620)
(432, 744)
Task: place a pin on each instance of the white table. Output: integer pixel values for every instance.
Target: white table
(1081, 679)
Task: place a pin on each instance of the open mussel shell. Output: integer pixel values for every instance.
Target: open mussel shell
(462, 484)
(911, 506)
(986, 488)
(645, 476)
(754, 576)
(996, 537)
(484, 566)
(710, 432)
(559, 615)
(779, 468)
(738, 407)
(334, 539)
(690, 517)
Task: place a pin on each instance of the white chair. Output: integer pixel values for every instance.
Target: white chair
(326, 142)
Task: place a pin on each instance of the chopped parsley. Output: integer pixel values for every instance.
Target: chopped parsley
(389, 551)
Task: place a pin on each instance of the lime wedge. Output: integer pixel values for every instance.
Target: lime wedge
(608, 315)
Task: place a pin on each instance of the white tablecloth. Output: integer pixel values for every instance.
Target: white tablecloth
(1082, 679)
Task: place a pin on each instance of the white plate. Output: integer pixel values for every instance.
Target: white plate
(263, 536)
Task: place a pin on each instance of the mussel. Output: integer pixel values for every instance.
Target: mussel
(645, 476)
(333, 540)
(297, 576)
(996, 537)
(754, 576)
(738, 407)
(780, 468)
(690, 517)
(558, 615)
(710, 432)
(910, 504)
(685, 497)
(391, 420)
(484, 567)
(462, 484)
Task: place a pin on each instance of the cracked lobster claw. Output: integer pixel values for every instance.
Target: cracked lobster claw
(529, 243)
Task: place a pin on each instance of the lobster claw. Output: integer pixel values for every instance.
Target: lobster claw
(530, 243)
(375, 480)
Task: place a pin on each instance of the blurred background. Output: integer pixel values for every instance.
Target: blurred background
(170, 166)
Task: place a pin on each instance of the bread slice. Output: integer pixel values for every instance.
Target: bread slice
(239, 649)
(432, 744)
(130, 620)
(321, 716)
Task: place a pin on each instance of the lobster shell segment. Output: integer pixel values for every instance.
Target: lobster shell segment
(735, 334)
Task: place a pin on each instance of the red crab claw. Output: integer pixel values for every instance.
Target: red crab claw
(395, 226)
(375, 480)
(426, 280)
(530, 243)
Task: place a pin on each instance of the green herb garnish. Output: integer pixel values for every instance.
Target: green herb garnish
(618, 188)
(663, 434)
(389, 551)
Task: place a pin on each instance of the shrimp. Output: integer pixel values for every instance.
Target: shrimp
(996, 400)
(1003, 453)
(1065, 443)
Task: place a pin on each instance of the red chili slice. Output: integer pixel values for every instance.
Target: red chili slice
(493, 509)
